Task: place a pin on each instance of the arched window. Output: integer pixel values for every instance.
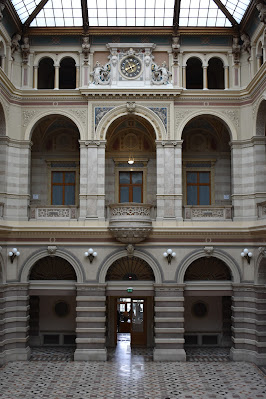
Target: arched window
(52, 268)
(46, 74)
(67, 74)
(215, 74)
(194, 75)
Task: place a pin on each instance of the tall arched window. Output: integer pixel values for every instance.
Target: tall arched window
(194, 75)
(46, 74)
(215, 74)
(67, 74)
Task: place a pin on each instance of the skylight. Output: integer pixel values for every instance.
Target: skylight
(202, 13)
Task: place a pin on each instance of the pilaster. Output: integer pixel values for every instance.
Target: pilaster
(169, 323)
(90, 323)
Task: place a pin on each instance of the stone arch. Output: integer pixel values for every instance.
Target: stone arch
(130, 269)
(46, 73)
(193, 55)
(222, 57)
(31, 261)
(35, 120)
(68, 55)
(67, 73)
(187, 261)
(2, 121)
(122, 110)
(194, 73)
(261, 118)
(121, 254)
(215, 73)
(41, 56)
(224, 119)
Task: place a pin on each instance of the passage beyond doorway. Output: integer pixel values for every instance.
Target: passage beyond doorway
(131, 320)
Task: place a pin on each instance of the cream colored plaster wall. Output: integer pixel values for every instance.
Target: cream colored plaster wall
(49, 321)
(212, 322)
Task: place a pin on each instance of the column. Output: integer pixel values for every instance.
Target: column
(205, 77)
(169, 180)
(248, 323)
(56, 77)
(35, 77)
(77, 76)
(236, 75)
(90, 323)
(226, 77)
(15, 319)
(184, 77)
(169, 323)
(92, 180)
(2, 318)
(16, 164)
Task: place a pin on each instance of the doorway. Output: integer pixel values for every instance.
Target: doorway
(131, 321)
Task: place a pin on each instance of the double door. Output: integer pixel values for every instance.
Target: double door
(131, 318)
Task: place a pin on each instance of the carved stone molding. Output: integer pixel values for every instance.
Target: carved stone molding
(208, 251)
(130, 250)
(81, 114)
(51, 249)
(27, 116)
(262, 251)
(131, 107)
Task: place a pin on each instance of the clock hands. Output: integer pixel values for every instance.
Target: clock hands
(131, 67)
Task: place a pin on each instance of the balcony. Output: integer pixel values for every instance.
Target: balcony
(54, 213)
(208, 212)
(130, 223)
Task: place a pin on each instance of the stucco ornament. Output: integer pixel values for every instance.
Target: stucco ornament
(27, 116)
(246, 46)
(176, 47)
(15, 44)
(131, 107)
(236, 50)
(262, 12)
(208, 251)
(160, 74)
(86, 47)
(2, 7)
(25, 50)
(130, 250)
(51, 249)
(101, 74)
(262, 251)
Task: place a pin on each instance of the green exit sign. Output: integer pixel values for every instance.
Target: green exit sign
(129, 289)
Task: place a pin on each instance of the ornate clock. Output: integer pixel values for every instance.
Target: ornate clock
(130, 67)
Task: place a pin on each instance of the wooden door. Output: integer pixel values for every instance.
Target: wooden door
(138, 322)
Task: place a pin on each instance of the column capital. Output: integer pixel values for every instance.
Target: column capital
(169, 143)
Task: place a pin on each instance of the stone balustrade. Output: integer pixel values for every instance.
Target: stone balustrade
(208, 212)
(262, 210)
(49, 212)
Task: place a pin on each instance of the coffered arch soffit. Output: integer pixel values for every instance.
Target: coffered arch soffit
(188, 260)
(122, 110)
(182, 121)
(31, 261)
(121, 254)
(38, 116)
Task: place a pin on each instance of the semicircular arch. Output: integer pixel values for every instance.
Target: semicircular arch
(121, 254)
(122, 110)
(261, 260)
(26, 268)
(41, 115)
(259, 116)
(231, 128)
(187, 261)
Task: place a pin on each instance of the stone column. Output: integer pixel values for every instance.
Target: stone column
(15, 159)
(169, 180)
(15, 322)
(236, 75)
(2, 320)
(35, 77)
(169, 323)
(226, 77)
(184, 77)
(56, 77)
(92, 180)
(243, 179)
(77, 76)
(248, 323)
(205, 77)
(90, 323)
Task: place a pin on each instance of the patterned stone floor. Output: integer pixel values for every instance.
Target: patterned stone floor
(129, 375)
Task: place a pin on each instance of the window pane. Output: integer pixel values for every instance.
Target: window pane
(57, 198)
(204, 177)
(57, 177)
(124, 194)
(204, 193)
(137, 194)
(69, 177)
(191, 177)
(137, 178)
(69, 195)
(192, 195)
(124, 177)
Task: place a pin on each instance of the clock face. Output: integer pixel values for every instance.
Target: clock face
(130, 67)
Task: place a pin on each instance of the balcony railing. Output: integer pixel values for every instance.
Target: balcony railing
(50, 212)
(262, 210)
(207, 212)
(130, 222)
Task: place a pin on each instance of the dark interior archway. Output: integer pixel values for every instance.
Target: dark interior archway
(46, 72)
(194, 74)
(67, 74)
(215, 73)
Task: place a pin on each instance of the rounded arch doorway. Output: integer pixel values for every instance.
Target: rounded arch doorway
(130, 281)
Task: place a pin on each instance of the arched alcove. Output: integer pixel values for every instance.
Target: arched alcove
(67, 73)
(52, 268)
(130, 269)
(55, 164)
(261, 119)
(261, 279)
(46, 73)
(206, 158)
(194, 73)
(215, 73)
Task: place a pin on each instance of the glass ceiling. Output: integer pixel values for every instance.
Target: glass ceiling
(130, 12)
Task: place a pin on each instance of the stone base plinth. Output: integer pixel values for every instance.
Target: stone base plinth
(169, 355)
(86, 355)
(243, 355)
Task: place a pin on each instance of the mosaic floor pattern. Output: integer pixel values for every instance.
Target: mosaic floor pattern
(131, 380)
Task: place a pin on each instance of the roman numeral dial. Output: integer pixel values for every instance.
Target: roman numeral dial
(130, 67)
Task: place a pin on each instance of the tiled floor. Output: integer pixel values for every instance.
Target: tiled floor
(130, 375)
